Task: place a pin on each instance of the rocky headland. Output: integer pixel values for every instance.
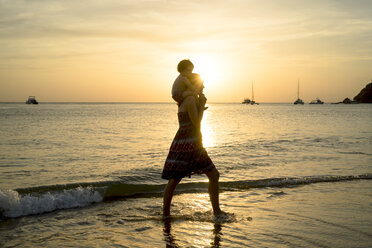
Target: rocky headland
(364, 96)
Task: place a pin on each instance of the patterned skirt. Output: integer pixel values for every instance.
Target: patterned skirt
(186, 155)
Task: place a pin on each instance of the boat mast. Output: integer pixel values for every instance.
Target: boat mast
(252, 91)
(298, 89)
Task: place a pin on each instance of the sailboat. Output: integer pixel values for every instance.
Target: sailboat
(298, 101)
(248, 101)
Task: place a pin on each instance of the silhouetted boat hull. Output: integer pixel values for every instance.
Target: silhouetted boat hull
(31, 100)
(246, 101)
(298, 101)
(317, 101)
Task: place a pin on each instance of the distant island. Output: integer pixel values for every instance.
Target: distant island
(364, 96)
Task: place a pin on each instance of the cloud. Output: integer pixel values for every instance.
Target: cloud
(282, 28)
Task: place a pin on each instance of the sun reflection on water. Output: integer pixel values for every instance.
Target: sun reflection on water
(199, 227)
(207, 132)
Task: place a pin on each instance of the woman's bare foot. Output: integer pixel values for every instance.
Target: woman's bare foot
(224, 217)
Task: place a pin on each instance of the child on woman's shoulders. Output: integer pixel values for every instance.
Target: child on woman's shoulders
(184, 86)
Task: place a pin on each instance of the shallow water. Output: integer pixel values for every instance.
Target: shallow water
(89, 175)
(316, 215)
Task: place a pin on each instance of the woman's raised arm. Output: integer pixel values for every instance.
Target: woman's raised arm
(195, 112)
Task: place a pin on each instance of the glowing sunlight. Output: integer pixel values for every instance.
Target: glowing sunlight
(209, 68)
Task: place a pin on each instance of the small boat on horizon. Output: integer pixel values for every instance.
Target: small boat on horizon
(248, 101)
(298, 101)
(317, 101)
(31, 100)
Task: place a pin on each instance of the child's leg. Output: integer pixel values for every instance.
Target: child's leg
(192, 93)
(178, 97)
(188, 93)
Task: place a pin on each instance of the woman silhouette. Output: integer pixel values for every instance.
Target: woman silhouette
(187, 155)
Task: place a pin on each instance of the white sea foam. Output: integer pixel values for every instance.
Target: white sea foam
(12, 204)
(28, 201)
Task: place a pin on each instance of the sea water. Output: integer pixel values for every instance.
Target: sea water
(84, 175)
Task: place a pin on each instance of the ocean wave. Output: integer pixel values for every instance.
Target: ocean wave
(13, 204)
(37, 200)
(290, 181)
(356, 153)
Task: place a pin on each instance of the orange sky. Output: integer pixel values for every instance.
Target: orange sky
(119, 51)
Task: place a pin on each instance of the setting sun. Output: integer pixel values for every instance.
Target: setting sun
(209, 69)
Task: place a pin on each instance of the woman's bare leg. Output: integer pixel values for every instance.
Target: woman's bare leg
(168, 194)
(213, 190)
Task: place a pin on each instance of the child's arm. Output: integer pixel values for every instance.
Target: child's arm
(189, 85)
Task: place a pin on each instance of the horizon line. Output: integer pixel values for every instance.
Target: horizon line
(92, 102)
